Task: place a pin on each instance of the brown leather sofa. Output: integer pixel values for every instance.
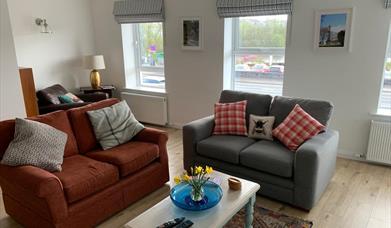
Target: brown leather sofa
(93, 184)
(48, 99)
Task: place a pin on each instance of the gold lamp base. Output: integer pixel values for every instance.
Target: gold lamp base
(95, 79)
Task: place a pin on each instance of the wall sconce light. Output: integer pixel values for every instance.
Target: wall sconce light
(44, 25)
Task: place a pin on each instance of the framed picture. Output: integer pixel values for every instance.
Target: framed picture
(191, 33)
(333, 29)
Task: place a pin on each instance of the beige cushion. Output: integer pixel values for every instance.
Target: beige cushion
(261, 127)
(36, 144)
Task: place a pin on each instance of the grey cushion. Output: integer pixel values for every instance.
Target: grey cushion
(224, 147)
(270, 157)
(114, 125)
(36, 144)
(282, 106)
(257, 104)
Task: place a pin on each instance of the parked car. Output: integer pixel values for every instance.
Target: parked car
(387, 78)
(242, 67)
(276, 70)
(153, 80)
(261, 68)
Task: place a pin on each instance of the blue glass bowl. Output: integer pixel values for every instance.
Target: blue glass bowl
(180, 196)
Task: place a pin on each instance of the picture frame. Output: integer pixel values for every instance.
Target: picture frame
(333, 29)
(192, 33)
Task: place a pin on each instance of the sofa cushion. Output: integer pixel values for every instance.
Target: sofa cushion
(114, 125)
(60, 121)
(82, 176)
(69, 98)
(230, 118)
(261, 127)
(297, 127)
(224, 147)
(84, 132)
(257, 104)
(129, 157)
(268, 156)
(36, 144)
(7, 129)
(282, 106)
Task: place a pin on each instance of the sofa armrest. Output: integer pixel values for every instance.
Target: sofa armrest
(92, 97)
(314, 167)
(35, 187)
(55, 107)
(194, 132)
(155, 136)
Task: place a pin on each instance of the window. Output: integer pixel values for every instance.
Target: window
(385, 93)
(259, 53)
(144, 55)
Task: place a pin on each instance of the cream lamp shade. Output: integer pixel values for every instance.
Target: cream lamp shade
(94, 62)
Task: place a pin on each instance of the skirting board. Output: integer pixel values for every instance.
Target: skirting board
(343, 154)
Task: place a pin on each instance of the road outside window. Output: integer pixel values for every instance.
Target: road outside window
(150, 56)
(259, 53)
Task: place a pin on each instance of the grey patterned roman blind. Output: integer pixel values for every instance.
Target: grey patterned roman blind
(242, 8)
(388, 3)
(138, 11)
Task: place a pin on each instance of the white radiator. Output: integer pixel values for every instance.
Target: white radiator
(379, 146)
(146, 108)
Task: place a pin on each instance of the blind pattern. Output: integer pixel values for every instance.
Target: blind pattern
(387, 3)
(138, 11)
(242, 8)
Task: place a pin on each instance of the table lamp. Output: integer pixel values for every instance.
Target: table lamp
(94, 63)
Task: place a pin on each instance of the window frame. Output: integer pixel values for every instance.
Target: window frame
(385, 110)
(237, 50)
(137, 57)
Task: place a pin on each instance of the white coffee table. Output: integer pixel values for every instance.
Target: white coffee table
(217, 216)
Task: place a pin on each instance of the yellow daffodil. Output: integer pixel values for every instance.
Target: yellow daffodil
(186, 177)
(208, 170)
(177, 180)
(198, 170)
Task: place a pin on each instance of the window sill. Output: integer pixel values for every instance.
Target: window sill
(146, 91)
(383, 115)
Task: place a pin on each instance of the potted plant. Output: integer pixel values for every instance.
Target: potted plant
(197, 179)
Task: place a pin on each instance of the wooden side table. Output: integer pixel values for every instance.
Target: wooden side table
(109, 89)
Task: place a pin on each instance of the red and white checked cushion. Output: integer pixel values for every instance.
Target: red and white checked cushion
(297, 127)
(230, 118)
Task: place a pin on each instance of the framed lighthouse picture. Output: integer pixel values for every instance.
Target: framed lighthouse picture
(333, 29)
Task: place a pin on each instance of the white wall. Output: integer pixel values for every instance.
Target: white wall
(55, 58)
(108, 41)
(194, 79)
(350, 80)
(11, 98)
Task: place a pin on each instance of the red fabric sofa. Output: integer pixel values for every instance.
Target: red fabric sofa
(93, 184)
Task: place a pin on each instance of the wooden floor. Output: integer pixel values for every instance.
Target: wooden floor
(359, 195)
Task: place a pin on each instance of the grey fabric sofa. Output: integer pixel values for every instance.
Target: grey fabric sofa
(297, 178)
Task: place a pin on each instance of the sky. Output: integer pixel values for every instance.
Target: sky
(337, 21)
